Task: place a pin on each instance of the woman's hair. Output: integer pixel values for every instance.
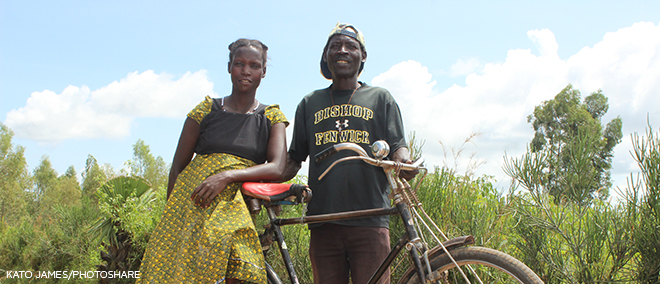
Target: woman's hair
(241, 42)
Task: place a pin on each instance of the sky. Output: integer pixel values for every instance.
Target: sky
(81, 78)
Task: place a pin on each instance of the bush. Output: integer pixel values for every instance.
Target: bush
(129, 210)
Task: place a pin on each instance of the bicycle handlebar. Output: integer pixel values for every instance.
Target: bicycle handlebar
(338, 147)
(325, 154)
(364, 157)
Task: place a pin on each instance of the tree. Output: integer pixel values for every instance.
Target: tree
(67, 191)
(14, 178)
(565, 231)
(45, 179)
(146, 166)
(579, 152)
(94, 176)
(52, 190)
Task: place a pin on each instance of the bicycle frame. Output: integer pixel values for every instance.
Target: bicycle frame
(409, 240)
(400, 209)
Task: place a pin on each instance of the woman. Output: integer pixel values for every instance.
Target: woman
(206, 234)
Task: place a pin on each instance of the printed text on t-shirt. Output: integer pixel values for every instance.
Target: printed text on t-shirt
(345, 110)
(348, 135)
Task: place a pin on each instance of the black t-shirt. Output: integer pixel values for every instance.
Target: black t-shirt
(372, 115)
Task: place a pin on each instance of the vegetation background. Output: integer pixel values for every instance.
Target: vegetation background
(556, 216)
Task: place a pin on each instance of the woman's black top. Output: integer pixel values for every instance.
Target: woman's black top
(243, 135)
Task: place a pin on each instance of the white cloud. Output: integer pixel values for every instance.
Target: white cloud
(545, 42)
(497, 100)
(465, 67)
(109, 111)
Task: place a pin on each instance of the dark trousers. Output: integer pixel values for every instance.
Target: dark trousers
(336, 250)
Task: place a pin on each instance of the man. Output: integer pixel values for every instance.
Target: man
(347, 111)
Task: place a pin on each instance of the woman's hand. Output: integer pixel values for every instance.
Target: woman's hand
(204, 193)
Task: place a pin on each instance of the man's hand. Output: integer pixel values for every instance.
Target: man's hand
(403, 155)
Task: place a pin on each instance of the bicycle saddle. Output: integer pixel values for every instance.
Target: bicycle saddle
(274, 192)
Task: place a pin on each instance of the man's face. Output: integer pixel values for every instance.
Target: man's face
(344, 56)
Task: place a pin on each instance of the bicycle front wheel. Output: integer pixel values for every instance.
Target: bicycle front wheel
(480, 265)
(271, 275)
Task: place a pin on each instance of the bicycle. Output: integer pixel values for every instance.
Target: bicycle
(451, 261)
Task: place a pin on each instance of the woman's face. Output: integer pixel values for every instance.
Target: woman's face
(247, 69)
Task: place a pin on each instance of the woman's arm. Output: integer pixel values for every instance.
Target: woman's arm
(270, 171)
(184, 151)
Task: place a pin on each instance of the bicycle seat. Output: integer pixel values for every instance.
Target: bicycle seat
(273, 192)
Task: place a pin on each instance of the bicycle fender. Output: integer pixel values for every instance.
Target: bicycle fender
(452, 244)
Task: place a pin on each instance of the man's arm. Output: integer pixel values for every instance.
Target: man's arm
(298, 145)
(291, 170)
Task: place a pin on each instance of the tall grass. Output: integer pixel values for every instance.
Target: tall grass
(566, 241)
(642, 208)
(460, 205)
(57, 244)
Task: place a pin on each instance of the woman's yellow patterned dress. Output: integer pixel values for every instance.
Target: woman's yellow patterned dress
(195, 245)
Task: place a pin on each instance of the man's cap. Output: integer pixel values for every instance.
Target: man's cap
(347, 30)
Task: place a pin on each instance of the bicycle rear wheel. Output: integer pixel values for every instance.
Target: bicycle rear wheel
(491, 266)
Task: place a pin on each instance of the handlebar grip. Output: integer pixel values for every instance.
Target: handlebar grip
(325, 154)
(419, 162)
